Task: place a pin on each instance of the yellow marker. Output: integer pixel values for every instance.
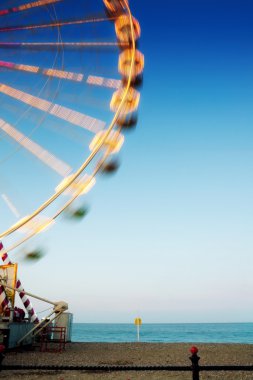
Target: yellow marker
(137, 323)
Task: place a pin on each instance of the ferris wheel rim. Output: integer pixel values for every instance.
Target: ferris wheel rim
(94, 152)
(59, 212)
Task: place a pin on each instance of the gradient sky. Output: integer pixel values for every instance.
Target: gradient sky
(169, 237)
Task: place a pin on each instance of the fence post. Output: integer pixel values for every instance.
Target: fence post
(195, 363)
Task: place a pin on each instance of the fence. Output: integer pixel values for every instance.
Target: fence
(194, 368)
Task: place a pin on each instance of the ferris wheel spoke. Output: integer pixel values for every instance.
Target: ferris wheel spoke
(62, 74)
(64, 113)
(69, 75)
(104, 82)
(56, 24)
(27, 6)
(11, 206)
(77, 77)
(42, 154)
(69, 45)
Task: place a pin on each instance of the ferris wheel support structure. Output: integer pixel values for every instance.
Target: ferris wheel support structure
(59, 308)
(21, 291)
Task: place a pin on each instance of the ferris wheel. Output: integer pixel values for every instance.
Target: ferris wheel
(69, 78)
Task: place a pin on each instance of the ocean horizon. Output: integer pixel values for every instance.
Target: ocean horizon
(164, 332)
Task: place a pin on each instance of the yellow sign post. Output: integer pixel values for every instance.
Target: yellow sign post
(138, 323)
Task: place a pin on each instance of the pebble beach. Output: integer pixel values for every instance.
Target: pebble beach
(78, 354)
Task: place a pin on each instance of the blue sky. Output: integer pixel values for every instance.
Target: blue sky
(169, 237)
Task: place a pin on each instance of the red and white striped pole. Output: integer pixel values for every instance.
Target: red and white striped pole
(4, 301)
(25, 300)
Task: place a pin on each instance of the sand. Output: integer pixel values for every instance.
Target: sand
(131, 354)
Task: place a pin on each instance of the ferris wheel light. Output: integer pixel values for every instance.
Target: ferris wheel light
(113, 142)
(44, 225)
(36, 225)
(123, 28)
(125, 60)
(82, 186)
(130, 104)
(115, 6)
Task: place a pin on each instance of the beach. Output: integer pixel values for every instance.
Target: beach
(78, 354)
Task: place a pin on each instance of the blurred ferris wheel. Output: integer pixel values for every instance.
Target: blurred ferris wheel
(69, 77)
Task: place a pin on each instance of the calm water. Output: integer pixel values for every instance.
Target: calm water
(181, 332)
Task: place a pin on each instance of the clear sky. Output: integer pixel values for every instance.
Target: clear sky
(169, 237)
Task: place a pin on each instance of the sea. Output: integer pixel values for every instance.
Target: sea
(164, 332)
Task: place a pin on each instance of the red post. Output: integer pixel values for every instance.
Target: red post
(195, 363)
